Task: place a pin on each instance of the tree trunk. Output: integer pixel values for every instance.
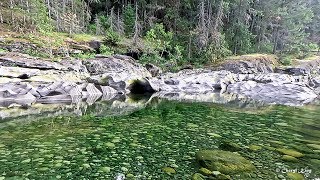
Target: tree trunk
(276, 41)
(217, 23)
(49, 8)
(111, 18)
(189, 46)
(218, 20)
(136, 27)
(58, 19)
(1, 17)
(11, 9)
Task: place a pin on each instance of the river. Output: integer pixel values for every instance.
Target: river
(139, 142)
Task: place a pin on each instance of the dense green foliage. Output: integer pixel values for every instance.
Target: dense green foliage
(207, 30)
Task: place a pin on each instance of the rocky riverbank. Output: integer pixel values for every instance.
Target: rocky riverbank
(26, 80)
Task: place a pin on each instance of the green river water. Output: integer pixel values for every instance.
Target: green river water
(168, 134)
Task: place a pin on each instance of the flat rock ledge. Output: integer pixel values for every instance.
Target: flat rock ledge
(26, 80)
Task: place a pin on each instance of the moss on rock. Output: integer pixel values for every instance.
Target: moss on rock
(197, 176)
(314, 146)
(290, 152)
(224, 161)
(295, 176)
(230, 146)
(223, 177)
(289, 158)
(169, 170)
(205, 171)
(254, 148)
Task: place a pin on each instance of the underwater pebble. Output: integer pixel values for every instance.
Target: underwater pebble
(168, 170)
(105, 169)
(124, 169)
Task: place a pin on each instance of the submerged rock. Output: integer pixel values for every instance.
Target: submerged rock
(205, 171)
(224, 161)
(169, 170)
(223, 177)
(198, 176)
(295, 176)
(254, 148)
(230, 146)
(290, 152)
(314, 146)
(289, 158)
(110, 145)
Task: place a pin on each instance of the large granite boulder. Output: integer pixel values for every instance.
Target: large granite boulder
(116, 71)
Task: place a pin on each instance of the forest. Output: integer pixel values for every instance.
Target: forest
(177, 32)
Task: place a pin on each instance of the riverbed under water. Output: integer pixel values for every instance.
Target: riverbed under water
(139, 143)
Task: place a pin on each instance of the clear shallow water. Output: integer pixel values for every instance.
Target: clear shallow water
(167, 134)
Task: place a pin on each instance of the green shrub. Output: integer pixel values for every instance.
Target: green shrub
(158, 40)
(112, 38)
(3, 50)
(129, 19)
(105, 50)
(302, 50)
(84, 55)
(92, 28)
(160, 49)
(286, 60)
(217, 52)
(35, 53)
(176, 57)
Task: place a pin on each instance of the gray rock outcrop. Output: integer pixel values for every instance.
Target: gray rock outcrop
(249, 64)
(271, 88)
(25, 80)
(193, 81)
(287, 93)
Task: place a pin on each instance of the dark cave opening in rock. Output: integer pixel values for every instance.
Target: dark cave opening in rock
(141, 87)
(134, 55)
